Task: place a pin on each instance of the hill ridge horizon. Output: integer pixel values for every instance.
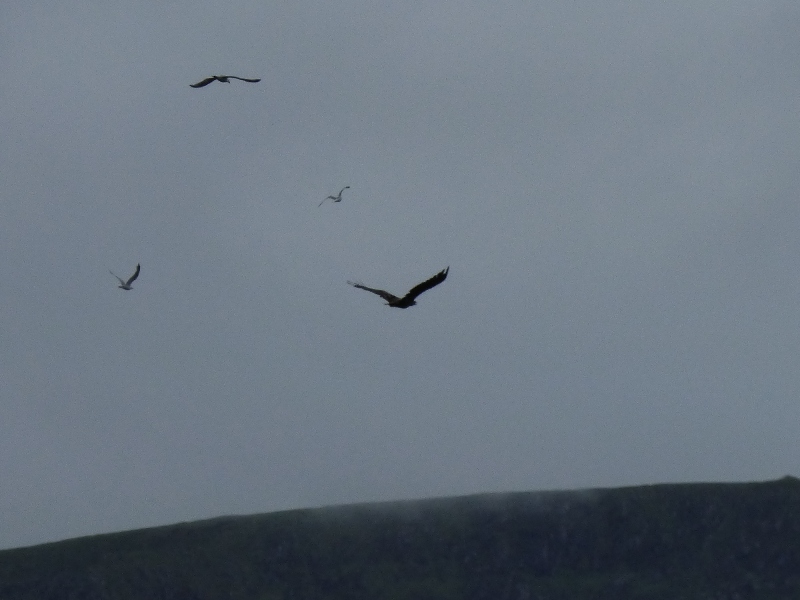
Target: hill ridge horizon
(664, 540)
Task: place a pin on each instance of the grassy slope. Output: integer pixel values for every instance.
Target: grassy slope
(665, 541)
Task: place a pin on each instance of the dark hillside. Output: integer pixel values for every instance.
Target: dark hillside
(717, 541)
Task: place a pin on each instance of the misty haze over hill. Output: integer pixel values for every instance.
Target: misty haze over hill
(715, 541)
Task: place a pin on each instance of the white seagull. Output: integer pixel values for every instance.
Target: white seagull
(336, 198)
(222, 78)
(126, 285)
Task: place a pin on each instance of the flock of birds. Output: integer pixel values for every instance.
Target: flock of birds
(391, 300)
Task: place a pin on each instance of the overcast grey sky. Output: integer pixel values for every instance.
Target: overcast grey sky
(613, 184)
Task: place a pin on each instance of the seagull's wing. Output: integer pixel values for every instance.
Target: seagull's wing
(244, 79)
(121, 281)
(347, 187)
(328, 198)
(382, 293)
(135, 275)
(205, 82)
(426, 285)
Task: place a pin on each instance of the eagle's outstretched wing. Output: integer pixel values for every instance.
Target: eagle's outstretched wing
(134, 276)
(426, 285)
(121, 281)
(205, 82)
(382, 293)
(244, 79)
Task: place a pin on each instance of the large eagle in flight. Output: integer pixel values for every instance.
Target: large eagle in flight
(410, 298)
(222, 78)
(126, 285)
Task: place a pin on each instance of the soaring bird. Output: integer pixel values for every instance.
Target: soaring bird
(410, 297)
(222, 78)
(126, 285)
(336, 198)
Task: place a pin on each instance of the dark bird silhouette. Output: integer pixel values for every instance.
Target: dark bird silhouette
(410, 298)
(222, 78)
(126, 285)
(336, 198)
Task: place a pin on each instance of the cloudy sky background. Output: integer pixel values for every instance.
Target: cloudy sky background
(613, 184)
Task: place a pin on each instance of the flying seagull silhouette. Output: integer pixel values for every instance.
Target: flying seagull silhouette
(336, 198)
(222, 78)
(126, 285)
(410, 298)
